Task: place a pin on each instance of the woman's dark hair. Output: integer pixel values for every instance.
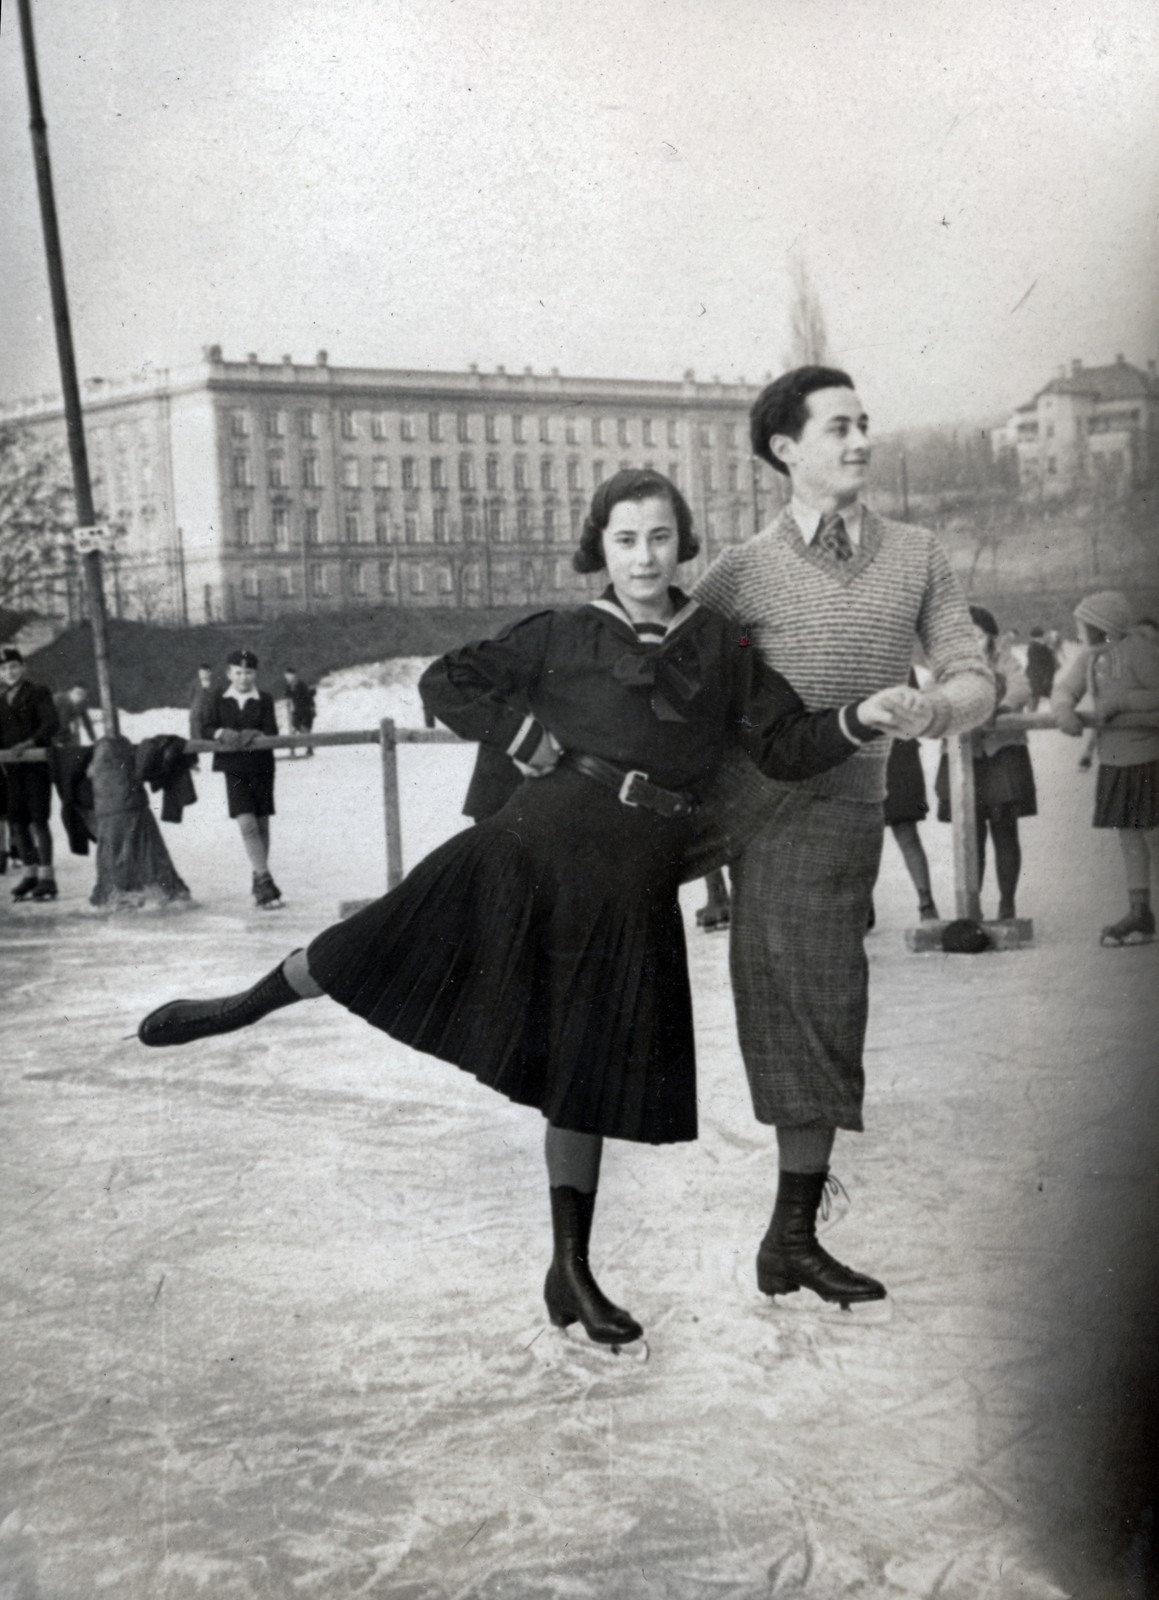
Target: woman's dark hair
(631, 483)
(784, 407)
(981, 618)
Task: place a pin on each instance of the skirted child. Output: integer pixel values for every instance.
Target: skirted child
(1117, 670)
(1003, 776)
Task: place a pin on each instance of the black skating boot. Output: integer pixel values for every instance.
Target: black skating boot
(23, 890)
(571, 1293)
(1137, 927)
(181, 1021)
(790, 1257)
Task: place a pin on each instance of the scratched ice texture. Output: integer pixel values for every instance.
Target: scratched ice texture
(271, 1304)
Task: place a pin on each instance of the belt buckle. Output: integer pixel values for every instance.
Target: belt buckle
(626, 787)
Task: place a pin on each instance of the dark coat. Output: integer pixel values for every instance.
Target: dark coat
(163, 764)
(199, 707)
(302, 705)
(257, 716)
(29, 714)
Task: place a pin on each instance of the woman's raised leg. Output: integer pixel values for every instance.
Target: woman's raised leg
(182, 1021)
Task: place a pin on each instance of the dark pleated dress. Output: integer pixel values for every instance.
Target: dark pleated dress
(543, 950)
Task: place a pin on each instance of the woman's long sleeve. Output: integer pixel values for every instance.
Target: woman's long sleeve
(786, 741)
(482, 691)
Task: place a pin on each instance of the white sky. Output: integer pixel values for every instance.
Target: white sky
(607, 186)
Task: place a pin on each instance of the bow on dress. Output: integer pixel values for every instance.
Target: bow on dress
(672, 675)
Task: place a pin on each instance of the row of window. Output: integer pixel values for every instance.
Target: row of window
(352, 468)
(355, 576)
(490, 522)
(624, 431)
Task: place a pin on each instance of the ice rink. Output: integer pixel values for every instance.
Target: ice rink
(272, 1323)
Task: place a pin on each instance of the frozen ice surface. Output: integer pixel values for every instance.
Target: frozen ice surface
(272, 1322)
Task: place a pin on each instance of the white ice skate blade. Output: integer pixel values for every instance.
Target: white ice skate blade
(1129, 939)
(805, 1304)
(551, 1345)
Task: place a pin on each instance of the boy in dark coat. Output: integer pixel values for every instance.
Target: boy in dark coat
(301, 698)
(28, 720)
(236, 717)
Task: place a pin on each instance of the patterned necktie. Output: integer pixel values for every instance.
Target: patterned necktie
(833, 538)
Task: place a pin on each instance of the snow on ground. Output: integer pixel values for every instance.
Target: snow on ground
(272, 1316)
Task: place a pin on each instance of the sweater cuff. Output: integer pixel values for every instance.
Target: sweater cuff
(856, 731)
(527, 741)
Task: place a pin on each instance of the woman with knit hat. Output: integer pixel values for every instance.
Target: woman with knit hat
(1118, 671)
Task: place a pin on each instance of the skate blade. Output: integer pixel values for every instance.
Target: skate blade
(805, 1304)
(551, 1346)
(1109, 943)
(272, 905)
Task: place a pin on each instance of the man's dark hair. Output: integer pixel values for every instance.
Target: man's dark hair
(632, 483)
(981, 618)
(204, 666)
(784, 407)
(1037, 633)
(294, 670)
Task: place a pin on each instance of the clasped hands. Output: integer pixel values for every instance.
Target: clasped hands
(905, 712)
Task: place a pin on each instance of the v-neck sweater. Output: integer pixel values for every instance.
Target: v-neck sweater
(839, 631)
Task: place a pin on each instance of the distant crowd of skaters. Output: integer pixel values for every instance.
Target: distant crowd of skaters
(231, 715)
(1111, 644)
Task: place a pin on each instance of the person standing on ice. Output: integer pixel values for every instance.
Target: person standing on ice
(543, 949)
(28, 721)
(1117, 670)
(236, 716)
(832, 596)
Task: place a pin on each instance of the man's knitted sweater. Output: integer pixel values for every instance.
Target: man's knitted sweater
(841, 631)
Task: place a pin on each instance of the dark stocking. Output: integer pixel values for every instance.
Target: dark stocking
(1007, 862)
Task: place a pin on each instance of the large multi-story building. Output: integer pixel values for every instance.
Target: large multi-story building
(1094, 427)
(242, 489)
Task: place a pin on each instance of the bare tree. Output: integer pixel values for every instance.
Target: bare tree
(808, 340)
(36, 508)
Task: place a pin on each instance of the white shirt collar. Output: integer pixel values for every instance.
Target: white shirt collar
(232, 694)
(808, 519)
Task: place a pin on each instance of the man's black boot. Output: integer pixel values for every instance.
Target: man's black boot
(181, 1021)
(571, 1293)
(790, 1257)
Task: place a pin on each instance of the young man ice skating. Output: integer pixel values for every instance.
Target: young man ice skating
(236, 716)
(28, 720)
(833, 597)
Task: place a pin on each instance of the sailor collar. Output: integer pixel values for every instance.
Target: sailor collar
(657, 633)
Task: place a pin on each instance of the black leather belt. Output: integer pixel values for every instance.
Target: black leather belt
(633, 788)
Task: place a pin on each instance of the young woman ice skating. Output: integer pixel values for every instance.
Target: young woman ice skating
(1117, 671)
(1004, 788)
(543, 950)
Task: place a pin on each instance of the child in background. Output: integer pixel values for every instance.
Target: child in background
(1003, 776)
(1118, 670)
(236, 717)
(906, 806)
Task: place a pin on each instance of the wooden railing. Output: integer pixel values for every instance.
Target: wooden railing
(388, 737)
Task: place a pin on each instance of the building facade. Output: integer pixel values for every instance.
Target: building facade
(239, 490)
(1089, 428)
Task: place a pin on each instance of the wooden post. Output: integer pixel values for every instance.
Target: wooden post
(390, 807)
(965, 829)
(82, 485)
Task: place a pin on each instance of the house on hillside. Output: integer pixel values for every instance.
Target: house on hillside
(240, 490)
(1094, 427)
